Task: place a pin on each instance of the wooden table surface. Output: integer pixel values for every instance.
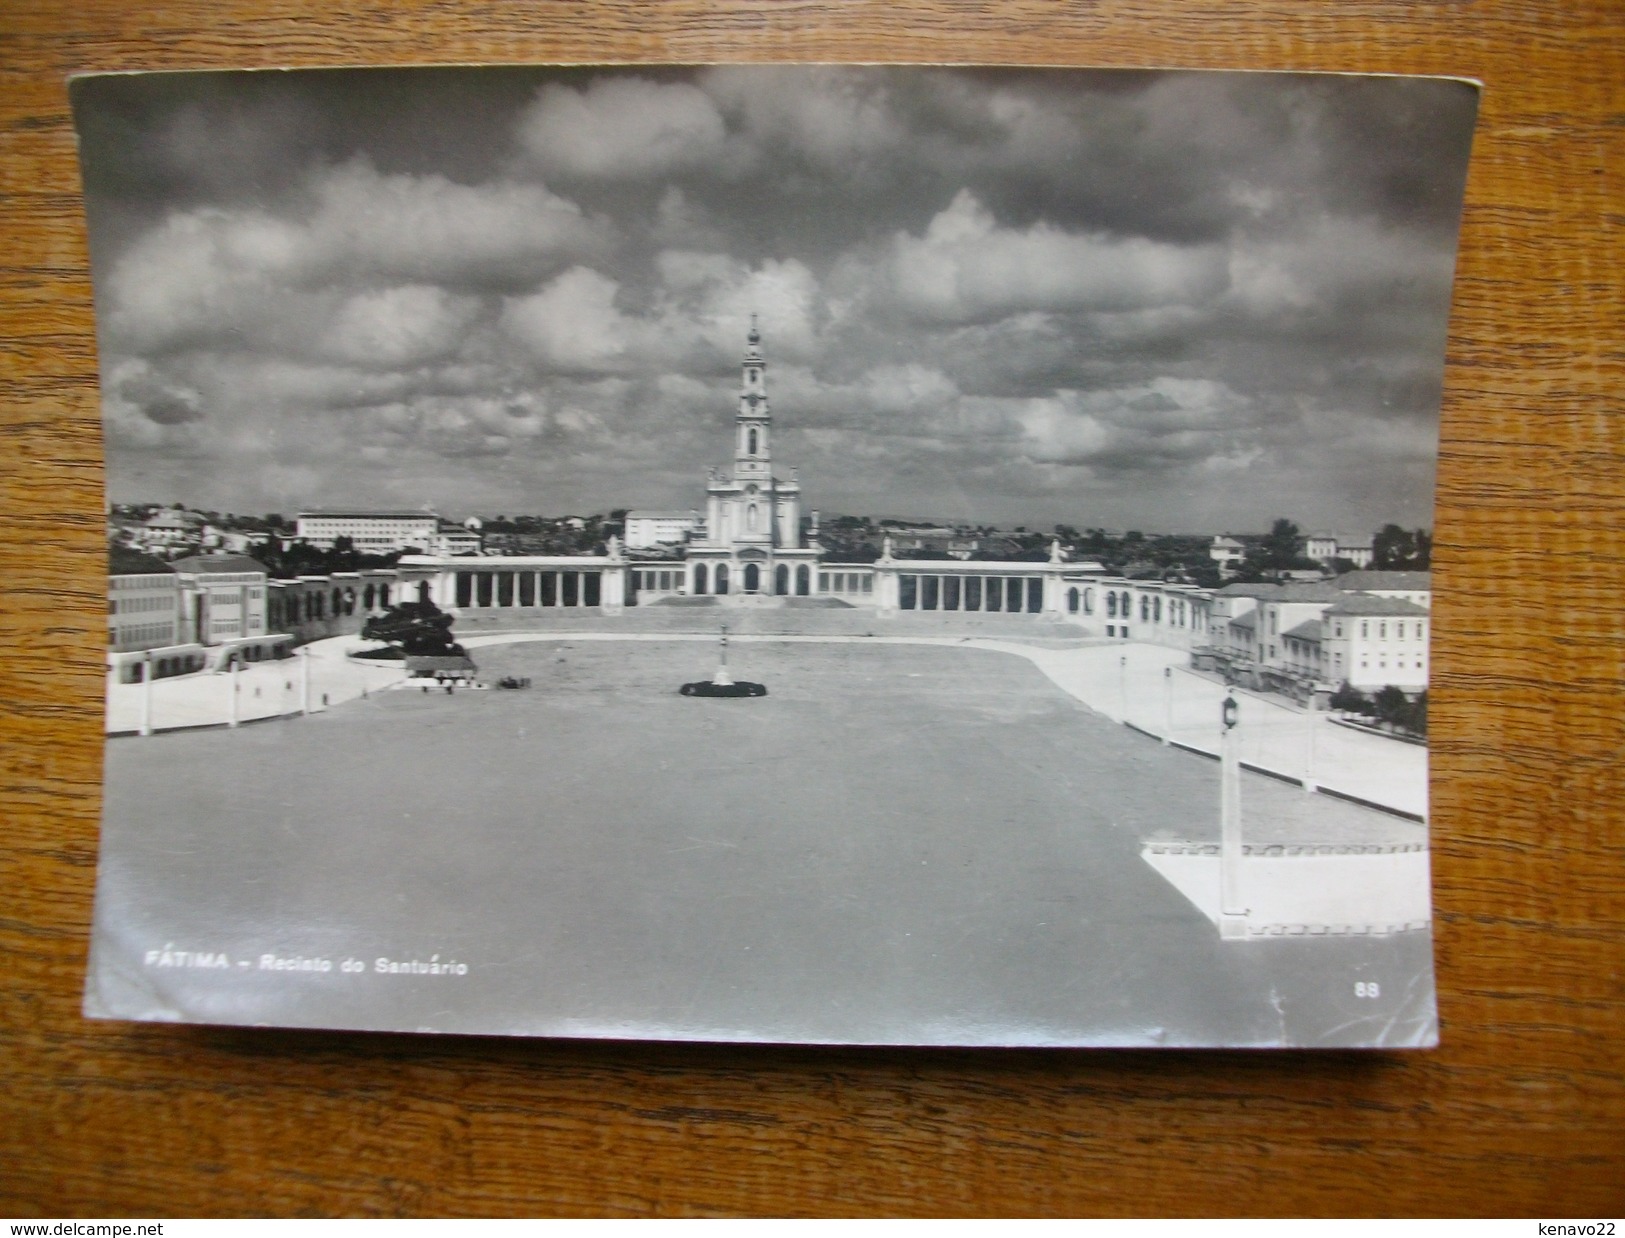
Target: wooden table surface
(1522, 1111)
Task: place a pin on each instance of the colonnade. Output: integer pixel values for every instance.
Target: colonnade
(527, 588)
(975, 592)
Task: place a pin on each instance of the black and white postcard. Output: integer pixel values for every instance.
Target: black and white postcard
(815, 554)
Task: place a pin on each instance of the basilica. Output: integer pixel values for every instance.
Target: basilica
(750, 541)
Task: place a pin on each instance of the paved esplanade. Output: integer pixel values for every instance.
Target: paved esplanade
(902, 843)
(1115, 679)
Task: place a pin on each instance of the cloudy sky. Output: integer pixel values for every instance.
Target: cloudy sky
(1160, 301)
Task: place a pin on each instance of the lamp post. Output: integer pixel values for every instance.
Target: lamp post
(1310, 786)
(1232, 907)
(1122, 686)
(231, 715)
(146, 693)
(304, 679)
(1167, 704)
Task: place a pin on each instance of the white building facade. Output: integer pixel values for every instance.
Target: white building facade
(645, 530)
(371, 532)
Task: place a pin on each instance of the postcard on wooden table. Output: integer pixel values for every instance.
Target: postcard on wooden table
(813, 554)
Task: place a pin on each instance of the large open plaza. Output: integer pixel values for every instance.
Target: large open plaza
(900, 843)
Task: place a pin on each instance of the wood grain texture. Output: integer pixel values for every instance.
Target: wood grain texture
(1521, 1111)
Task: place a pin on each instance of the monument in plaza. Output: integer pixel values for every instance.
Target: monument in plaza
(722, 683)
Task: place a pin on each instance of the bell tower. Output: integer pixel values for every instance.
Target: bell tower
(753, 461)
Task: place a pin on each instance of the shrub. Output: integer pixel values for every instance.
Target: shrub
(1350, 699)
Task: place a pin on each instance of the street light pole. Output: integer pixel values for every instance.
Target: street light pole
(1232, 904)
(304, 679)
(1167, 704)
(146, 693)
(231, 716)
(1310, 786)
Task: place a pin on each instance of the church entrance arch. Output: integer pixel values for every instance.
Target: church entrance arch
(781, 580)
(803, 581)
(753, 578)
(700, 582)
(722, 579)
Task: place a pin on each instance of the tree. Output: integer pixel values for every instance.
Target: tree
(1279, 550)
(1392, 705)
(1350, 699)
(1394, 549)
(420, 629)
(1416, 720)
(1282, 545)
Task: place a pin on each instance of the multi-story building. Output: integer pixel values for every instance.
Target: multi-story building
(143, 611)
(648, 529)
(225, 597)
(1325, 547)
(1372, 641)
(455, 539)
(371, 532)
(205, 612)
(1368, 629)
(1226, 553)
(168, 531)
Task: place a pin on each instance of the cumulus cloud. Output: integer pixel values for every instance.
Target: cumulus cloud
(246, 277)
(826, 114)
(455, 426)
(620, 127)
(402, 326)
(967, 268)
(433, 229)
(572, 323)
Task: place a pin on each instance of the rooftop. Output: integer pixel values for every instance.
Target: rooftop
(1366, 580)
(199, 564)
(350, 513)
(1372, 604)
